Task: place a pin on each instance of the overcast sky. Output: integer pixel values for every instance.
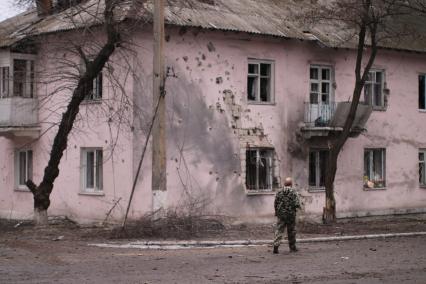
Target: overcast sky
(8, 9)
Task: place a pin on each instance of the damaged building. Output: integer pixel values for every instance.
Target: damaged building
(251, 97)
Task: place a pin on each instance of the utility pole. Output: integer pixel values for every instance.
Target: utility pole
(159, 162)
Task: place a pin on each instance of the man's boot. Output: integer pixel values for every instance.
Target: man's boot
(293, 249)
(275, 250)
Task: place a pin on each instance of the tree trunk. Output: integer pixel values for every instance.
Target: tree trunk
(40, 217)
(329, 211)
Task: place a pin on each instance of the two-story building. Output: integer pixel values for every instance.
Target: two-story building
(251, 98)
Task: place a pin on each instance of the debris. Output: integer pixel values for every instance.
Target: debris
(345, 257)
(58, 238)
(373, 249)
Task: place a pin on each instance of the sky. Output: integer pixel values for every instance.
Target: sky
(8, 9)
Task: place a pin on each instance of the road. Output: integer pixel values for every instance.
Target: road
(395, 260)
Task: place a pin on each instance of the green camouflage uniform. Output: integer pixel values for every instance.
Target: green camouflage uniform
(286, 204)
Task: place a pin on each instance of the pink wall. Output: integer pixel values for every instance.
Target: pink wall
(204, 151)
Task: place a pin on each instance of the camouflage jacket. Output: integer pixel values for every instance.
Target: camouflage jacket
(286, 203)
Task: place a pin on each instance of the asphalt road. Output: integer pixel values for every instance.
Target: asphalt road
(395, 260)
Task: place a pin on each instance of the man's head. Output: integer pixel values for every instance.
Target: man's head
(288, 181)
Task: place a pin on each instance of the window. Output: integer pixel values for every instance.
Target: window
(24, 167)
(317, 168)
(94, 91)
(4, 82)
(422, 167)
(422, 92)
(374, 168)
(92, 170)
(320, 85)
(259, 169)
(373, 89)
(260, 81)
(23, 78)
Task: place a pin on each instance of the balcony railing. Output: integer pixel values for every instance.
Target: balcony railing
(19, 117)
(319, 115)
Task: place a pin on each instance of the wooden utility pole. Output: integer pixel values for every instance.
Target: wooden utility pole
(159, 164)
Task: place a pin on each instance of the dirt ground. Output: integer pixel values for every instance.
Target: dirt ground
(60, 254)
(67, 230)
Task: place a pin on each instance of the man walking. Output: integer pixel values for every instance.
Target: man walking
(286, 204)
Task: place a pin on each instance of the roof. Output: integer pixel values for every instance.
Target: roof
(264, 17)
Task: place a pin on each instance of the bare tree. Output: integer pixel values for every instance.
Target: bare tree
(370, 23)
(93, 65)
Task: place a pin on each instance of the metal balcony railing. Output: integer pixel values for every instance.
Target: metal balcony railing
(319, 115)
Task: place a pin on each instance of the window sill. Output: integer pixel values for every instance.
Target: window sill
(316, 189)
(92, 102)
(92, 193)
(422, 186)
(260, 103)
(260, 192)
(379, 108)
(422, 111)
(374, 188)
(22, 189)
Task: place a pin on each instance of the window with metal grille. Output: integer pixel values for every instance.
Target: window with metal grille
(259, 168)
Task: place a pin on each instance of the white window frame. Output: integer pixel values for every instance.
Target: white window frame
(29, 162)
(424, 92)
(371, 183)
(317, 185)
(271, 166)
(422, 168)
(373, 82)
(96, 92)
(271, 95)
(97, 171)
(320, 81)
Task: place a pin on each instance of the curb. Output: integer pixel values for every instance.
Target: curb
(174, 245)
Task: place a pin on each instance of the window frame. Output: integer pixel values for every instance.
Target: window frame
(258, 75)
(29, 168)
(317, 152)
(97, 170)
(382, 106)
(424, 92)
(320, 81)
(422, 151)
(4, 82)
(28, 80)
(272, 174)
(371, 171)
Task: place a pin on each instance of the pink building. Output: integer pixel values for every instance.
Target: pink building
(250, 103)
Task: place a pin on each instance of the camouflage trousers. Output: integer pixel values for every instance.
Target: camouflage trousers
(291, 232)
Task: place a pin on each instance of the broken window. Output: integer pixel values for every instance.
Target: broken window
(374, 168)
(373, 89)
(4, 82)
(92, 169)
(320, 85)
(259, 168)
(23, 78)
(24, 167)
(94, 91)
(259, 81)
(317, 168)
(422, 168)
(422, 92)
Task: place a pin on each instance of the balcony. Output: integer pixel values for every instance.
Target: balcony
(321, 119)
(19, 117)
